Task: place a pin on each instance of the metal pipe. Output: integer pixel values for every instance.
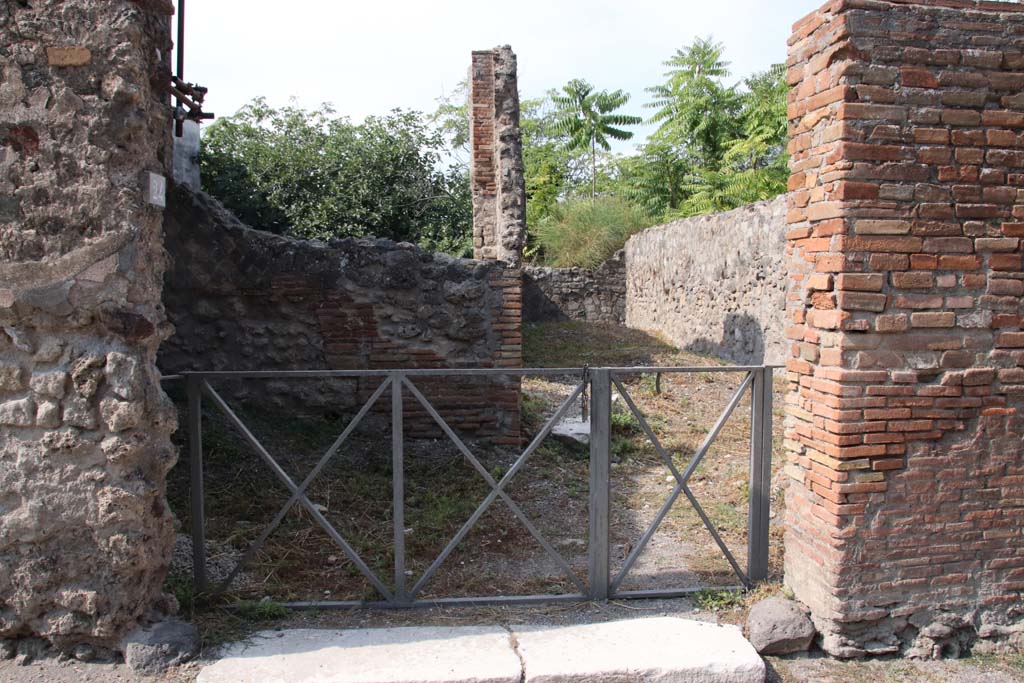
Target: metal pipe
(460, 372)
(196, 503)
(598, 554)
(398, 484)
(181, 40)
(179, 125)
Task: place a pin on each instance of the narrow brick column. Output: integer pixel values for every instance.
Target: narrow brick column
(498, 185)
(905, 434)
(499, 211)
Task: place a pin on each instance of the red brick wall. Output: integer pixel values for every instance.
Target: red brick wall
(484, 186)
(905, 432)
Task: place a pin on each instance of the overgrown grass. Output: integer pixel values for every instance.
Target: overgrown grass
(587, 232)
(717, 600)
(575, 343)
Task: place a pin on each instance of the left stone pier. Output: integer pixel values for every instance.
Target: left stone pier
(85, 147)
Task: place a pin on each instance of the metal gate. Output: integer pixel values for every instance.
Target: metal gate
(600, 583)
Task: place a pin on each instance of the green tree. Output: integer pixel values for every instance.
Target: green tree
(314, 174)
(754, 166)
(587, 117)
(656, 177)
(718, 146)
(553, 170)
(696, 110)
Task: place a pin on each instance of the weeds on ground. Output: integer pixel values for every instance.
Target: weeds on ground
(625, 423)
(575, 343)
(262, 611)
(718, 600)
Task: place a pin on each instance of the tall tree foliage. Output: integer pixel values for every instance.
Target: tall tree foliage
(718, 146)
(698, 113)
(314, 174)
(587, 118)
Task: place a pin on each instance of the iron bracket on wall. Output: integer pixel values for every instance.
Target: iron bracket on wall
(189, 96)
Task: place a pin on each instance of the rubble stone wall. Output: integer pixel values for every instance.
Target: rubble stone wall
(242, 299)
(905, 429)
(496, 168)
(85, 535)
(592, 294)
(713, 284)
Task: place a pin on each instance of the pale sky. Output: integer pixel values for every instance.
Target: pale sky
(369, 57)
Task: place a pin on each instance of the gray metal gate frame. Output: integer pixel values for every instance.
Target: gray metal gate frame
(600, 584)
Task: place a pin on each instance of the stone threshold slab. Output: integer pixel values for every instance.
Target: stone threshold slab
(659, 650)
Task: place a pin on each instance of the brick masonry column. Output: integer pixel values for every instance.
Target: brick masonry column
(905, 433)
(85, 145)
(496, 167)
(498, 186)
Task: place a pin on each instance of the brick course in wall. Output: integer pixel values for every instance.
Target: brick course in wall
(905, 431)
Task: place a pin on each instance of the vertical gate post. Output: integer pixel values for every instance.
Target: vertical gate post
(193, 390)
(398, 483)
(760, 474)
(599, 566)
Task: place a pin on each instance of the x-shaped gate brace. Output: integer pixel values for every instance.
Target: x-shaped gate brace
(601, 585)
(682, 480)
(396, 381)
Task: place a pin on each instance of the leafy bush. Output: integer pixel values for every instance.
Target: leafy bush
(316, 174)
(587, 232)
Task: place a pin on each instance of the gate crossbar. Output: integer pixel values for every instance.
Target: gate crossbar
(497, 488)
(601, 380)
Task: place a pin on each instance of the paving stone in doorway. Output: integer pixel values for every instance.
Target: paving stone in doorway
(392, 655)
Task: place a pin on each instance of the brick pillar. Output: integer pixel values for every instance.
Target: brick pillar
(905, 433)
(85, 143)
(498, 185)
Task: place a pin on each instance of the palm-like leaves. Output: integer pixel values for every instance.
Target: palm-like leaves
(587, 118)
(693, 106)
(718, 146)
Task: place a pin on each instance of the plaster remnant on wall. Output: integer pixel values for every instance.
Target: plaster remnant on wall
(68, 56)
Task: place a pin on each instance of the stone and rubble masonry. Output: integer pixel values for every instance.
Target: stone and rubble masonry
(497, 178)
(714, 284)
(243, 299)
(592, 294)
(905, 430)
(85, 535)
